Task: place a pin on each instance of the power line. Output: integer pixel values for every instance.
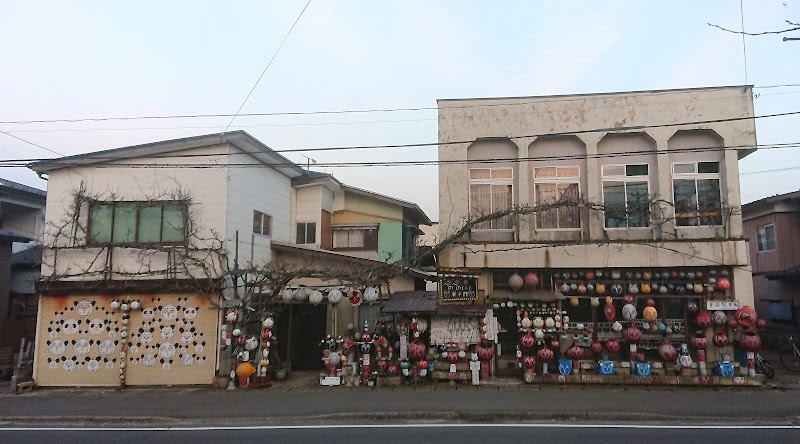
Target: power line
(541, 99)
(77, 162)
(267, 67)
(31, 143)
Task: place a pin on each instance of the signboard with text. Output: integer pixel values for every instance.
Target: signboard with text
(456, 285)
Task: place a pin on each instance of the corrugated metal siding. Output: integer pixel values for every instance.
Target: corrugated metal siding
(172, 340)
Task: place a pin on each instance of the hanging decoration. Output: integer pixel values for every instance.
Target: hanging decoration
(335, 296)
(531, 279)
(370, 295)
(515, 281)
(354, 297)
(315, 297)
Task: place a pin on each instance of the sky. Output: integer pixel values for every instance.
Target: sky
(63, 60)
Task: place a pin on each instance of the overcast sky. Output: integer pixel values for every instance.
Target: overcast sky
(104, 59)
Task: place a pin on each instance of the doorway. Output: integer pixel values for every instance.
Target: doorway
(304, 326)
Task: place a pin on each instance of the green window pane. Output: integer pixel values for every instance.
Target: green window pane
(709, 203)
(124, 223)
(638, 204)
(708, 167)
(150, 224)
(614, 204)
(636, 170)
(100, 223)
(174, 226)
(685, 202)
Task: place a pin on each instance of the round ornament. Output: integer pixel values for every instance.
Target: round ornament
(515, 281)
(335, 296)
(315, 297)
(531, 279)
(370, 295)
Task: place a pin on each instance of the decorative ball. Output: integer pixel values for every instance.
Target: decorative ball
(236, 332)
(667, 352)
(545, 354)
(720, 339)
(594, 302)
(698, 288)
(549, 323)
(268, 323)
(538, 322)
(531, 279)
(650, 314)
(633, 288)
(596, 347)
(646, 288)
(335, 358)
(462, 354)
(538, 334)
(581, 289)
(335, 296)
(301, 294)
(370, 295)
(574, 301)
(632, 334)
(662, 289)
(529, 362)
(423, 372)
(616, 289)
(315, 297)
(515, 281)
(723, 283)
(629, 312)
(702, 320)
(700, 342)
(719, 317)
(245, 370)
(733, 324)
(114, 305)
(251, 343)
(600, 288)
(124, 334)
(691, 306)
(135, 305)
(575, 352)
(124, 307)
(761, 324)
(616, 326)
(747, 317)
(525, 323)
(750, 342)
(354, 297)
(612, 345)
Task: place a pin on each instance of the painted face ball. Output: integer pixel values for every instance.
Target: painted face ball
(565, 288)
(616, 289)
(719, 317)
(616, 326)
(594, 302)
(629, 312)
(531, 279)
(600, 288)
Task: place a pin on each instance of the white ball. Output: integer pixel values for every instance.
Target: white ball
(236, 332)
(269, 323)
(114, 305)
(135, 305)
(124, 307)
(370, 294)
(315, 297)
(335, 296)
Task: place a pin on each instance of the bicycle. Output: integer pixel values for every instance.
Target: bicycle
(790, 357)
(764, 366)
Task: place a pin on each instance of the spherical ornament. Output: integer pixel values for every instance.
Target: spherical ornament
(662, 327)
(667, 352)
(423, 372)
(566, 319)
(575, 352)
(615, 274)
(416, 350)
(662, 289)
(761, 324)
(724, 272)
(510, 304)
(531, 279)
(354, 297)
(616, 289)
(240, 340)
(549, 323)
(629, 312)
(268, 323)
(596, 347)
(545, 354)
(264, 362)
(733, 324)
(123, 334)
(462, 354)
(590, 288)
(680, 289)
(689, 286)
(114, 305)
(646, 288)
(632, 334)
(538, 334)
(555, 343)
(702, 320)
(616, 326)
(335, 296)
(650, 314)
(720, 339)
(495, 306)
(315, 297)
(600, 288)
(612, 345)
(245, 370)
(366, 348)
(236, 332)
(723, 283)
(581, 289)
(633, 288)
(125, 321)
(750, 342)
(691, 306)
(485, 352)
(525, 323)
(301, 294)
(589, 275)
(594, 302)
(747, 317)
(526, 341)
(287, 294)
(529, 362)
(573, 287)
(538, 322)
(719, 317)
(251, 343)
(124, 307)
(370, 295)
(135, 305)
(668, 330)
(647, 275)
(515, 281)
(574, 301)
(700, 342)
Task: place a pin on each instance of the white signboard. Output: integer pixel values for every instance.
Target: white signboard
(722, 305)
(457, 329)
(330, 380)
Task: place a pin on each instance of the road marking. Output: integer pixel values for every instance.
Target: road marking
(406, 426)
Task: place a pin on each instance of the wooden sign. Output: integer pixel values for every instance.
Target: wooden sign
(456, 285)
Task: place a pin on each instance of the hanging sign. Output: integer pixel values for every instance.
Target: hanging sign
(458, 285)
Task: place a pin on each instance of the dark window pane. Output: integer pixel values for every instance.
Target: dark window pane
(124, 223)
(685, 202)
(257, 222)
(100, 223)
(708, 167)
(614, 204)
(174, 224)
(311, 233)
(638, 204)
(150, 224)
(569, 216)
(300, 238)
(370, 239)
(709, 202)
(636, 170)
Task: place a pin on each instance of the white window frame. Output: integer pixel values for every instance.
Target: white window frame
(264, 217)
(695, 176)
(557, 180)
(763, 229)
(503, 181)
(625, 179)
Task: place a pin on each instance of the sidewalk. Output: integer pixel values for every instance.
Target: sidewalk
(297, 401)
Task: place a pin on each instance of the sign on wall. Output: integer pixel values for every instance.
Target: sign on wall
(457, 285)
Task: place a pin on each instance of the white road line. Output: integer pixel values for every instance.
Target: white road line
(406, 426)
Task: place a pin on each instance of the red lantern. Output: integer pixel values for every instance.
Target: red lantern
(596, 347)
(702, 320)
(632, 334)
(667, 352)
(747, 317)
(423, 364)
(452, 356)
(555, 344)
(484, 353)
(575, 352)
(545, 354)
(416, 350)
(529, 362)
(761, 324)
(723, 283)
(531, 279)
(355, 297)
(394, 369)
(700, 342)
(733, 324)
(526, 341)
(612, 345)
(750, 342)
(610, 311)
(720, 339)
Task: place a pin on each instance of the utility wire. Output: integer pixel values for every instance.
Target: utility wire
(267, 67)
(31, 143)
(541, 99)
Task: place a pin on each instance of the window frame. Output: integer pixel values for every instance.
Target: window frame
(695, 176)
(576, 180)
(264, 216)
(366, 246)
(306, 226)
(625, 179)
(774, 239)
(505, 181)
(138, 206)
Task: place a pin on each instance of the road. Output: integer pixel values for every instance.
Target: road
(404, 433)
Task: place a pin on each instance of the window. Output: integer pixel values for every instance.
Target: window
(262, 223)
(779, 311)
(557, 184)
(626, 196)
(766, 238)
(490, 191)
(306, 233)
(355, 239)
(137, 222)
(696, 193)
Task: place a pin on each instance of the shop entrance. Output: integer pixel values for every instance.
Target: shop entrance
(304, 327)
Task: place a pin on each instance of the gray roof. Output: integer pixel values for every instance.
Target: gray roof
(30, 257)
(411, 302)
(240, 139)
(11, 185)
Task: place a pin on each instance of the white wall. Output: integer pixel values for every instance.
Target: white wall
(308, 206)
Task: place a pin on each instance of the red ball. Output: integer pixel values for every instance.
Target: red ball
(422, 364)
(575, 352)
(529, 362)
(526, 341)
(702, 320)
(700, 342)
(761, 324)
(733, 324)
(531, 279)
(720, 339)
(545, 354)
(597, 347)
(632, 334)
(612, 345)
(750, 342)
(723, 283)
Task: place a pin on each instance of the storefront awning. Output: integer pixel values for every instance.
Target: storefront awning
(422, 302)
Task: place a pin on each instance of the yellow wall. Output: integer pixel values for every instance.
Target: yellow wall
(361, 209)
(172, 340)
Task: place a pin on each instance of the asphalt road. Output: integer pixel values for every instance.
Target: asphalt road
(404, 433)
